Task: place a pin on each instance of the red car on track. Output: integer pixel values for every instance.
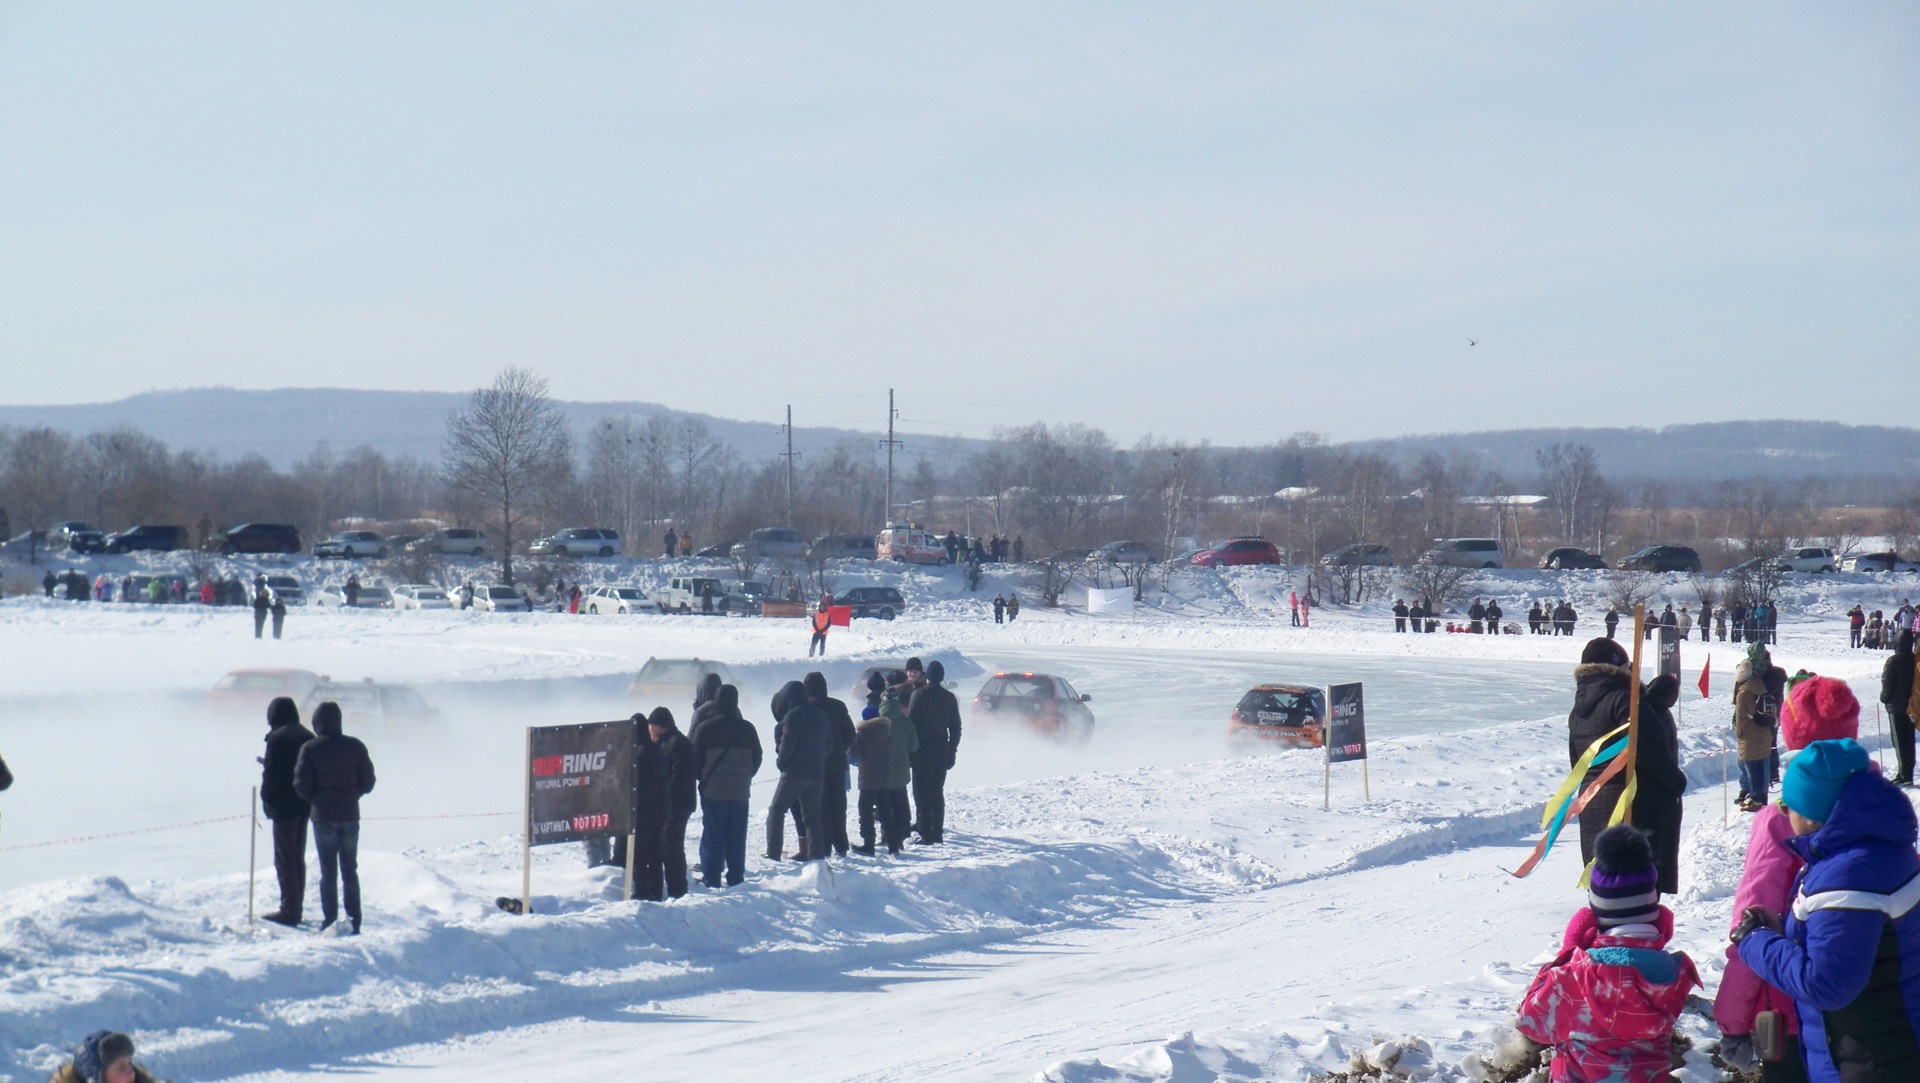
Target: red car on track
(1288, 714)
(1044, 703)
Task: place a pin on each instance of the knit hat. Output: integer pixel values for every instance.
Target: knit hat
(913, 664)
(99, 1050)
(282, 712)
(661, 717)
(1624, 887)
(1819, 709)
(936, 673)
(1757, 654)
(1815, 777)
(1603, 651)
(876, 681)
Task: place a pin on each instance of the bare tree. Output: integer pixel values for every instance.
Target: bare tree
(1627, 588)
(1570, 479)
(1438, 584)
(1902, 524)
(505, 450)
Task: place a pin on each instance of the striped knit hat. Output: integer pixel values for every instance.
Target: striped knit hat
(1624, 886)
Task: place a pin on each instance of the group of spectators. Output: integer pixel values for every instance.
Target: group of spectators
(1822, 980)
(1876, 630)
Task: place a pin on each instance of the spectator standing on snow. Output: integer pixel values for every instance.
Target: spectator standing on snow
(1019, 549)
(573, 599)
(1612, 620)
(999, 609)
(1608, 1001)
(332, 773)
(800, 752)
(1683, 623)
(49, 581)
(1293, 607)
(1399, 615)
(1848, 951)
(284, 806)
(262, 602)
(706, 597)
(669, 545)
(728, 749)
(936, 717)
(835, 783)
(466, 594)
(1493, 616)
(1477, 617)
(952, 544)
(1013, 607)
(652, 809)
(1706, 621)
(1897, 688)
(906, 741)
(279, 614)
(1856, 625)
(686, 544)
(352, 591)
(683, 787)
(105, 1056)
(873, 751)
(1754, 716)
(822, 620)
(1720, 624)
(1602, 684)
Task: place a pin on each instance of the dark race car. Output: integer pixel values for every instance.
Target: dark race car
(1042, 702)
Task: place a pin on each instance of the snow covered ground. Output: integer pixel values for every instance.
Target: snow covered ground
(1154, 906)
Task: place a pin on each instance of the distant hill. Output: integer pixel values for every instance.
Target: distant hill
(284, 426)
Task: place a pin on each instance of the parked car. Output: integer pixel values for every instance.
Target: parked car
(1042, 702)
(1366, 554)
(578, 541)
(720, 551)
(368, 598)
(351, 544)
(1250, 550)
(496, 598)
(78, 536)
(670, 682)
(287, 589)
(158, 539)
(910, 545)
(452, 541)
(365, 704)
(248, 691)
(843, 547)
(420, 596)
(620, 600)
(1122, 552)
(1808, 558)
(1662, 558)
(1879, 562)
(882, 602)
(260, 538)
(743, 596)
(1466, 553)
(1568, 558)
(1287, 714)
(687, 594)
(775, 543)
(26, 545)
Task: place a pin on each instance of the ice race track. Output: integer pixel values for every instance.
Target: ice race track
(1154, 905)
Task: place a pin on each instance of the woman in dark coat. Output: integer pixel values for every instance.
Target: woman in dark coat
(1601, 696)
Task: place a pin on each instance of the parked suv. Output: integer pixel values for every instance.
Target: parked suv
(161, 539)
(1567, 557)
(882, 602)
(261, 538)
(1367, 553)
(771, 543)
(453, 540)
(1662, 558)
(1880, 562)
(1808, 558)
(351, 543)
(578, 541)
(1236, 551)
(78, 536)
(1466, 553)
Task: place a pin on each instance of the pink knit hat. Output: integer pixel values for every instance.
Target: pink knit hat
(1819, 709)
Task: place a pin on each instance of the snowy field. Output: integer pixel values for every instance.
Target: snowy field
(1153, 906)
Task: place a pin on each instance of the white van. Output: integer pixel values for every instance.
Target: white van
(1467, 553)
(910, 544)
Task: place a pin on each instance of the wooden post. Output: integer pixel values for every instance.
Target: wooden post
(1633, 699)
(253, 847)
(526, 823)
(1366, 786)
(1326, 765)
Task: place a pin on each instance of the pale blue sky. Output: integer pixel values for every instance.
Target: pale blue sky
(1204, 220)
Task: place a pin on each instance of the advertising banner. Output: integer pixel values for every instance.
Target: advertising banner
(580, 781)
(1669, 638)
(1346, 724)
(1109, 601)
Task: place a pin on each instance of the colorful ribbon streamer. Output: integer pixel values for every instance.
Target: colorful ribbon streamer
(1562, 806)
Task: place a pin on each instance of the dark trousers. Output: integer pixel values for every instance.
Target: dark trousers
(902, 812)
(649, 866)
(1790, 1068)
(1902, 725)
(877, 805)
(673, 852)
(723, 841)
(1854, 637)
(819, 640)
(259, 622)
(801, 796)
(930, 799)
(1754, 779)
(1399, 624)
(339, 847)
(279, 622)
(833, 815)
(290, 863)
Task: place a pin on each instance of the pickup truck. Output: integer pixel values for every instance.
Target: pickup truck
(682, 594)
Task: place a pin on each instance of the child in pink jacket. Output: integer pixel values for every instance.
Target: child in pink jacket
(1818, 709)
(1607, 1002)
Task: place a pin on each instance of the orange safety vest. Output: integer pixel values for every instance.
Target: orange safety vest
(821, 621)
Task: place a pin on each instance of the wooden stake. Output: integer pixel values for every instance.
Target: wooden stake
(1633, 700)
(253, 847)
(526, 836)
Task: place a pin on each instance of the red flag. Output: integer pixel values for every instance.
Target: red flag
(1705, 671)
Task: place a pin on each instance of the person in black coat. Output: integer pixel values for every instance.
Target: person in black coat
(834, 782)
(936, 719)
(333, 772)
(800, 742)
(1602, 691)
(1399, 615)
(1896, 693)
(285, 807)
(262, 601)
(652, 808)
(729, 754)
(683, 788)
(1494, 614)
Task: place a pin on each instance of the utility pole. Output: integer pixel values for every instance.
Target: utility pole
(886, 513)
(789, 456)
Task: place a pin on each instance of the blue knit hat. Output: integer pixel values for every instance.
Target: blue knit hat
(1815, 777)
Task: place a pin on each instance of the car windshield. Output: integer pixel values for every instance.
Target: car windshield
(1020, 687)
(627, 594)
(1281, 708)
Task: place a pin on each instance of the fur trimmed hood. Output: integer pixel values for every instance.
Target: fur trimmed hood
(1588, 671)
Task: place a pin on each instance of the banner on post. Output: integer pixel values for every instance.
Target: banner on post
(580, 781)
(1669, 651)
(1346, 723)
(1100, 600)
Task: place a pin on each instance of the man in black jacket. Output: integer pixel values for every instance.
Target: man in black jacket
(840, 737)
(652, 809)
(1896, 692)
(683, 782)
(333, 772)
(286, 808)
(936, 719)
(728, 750)
(1602, 686)
(800, 740)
